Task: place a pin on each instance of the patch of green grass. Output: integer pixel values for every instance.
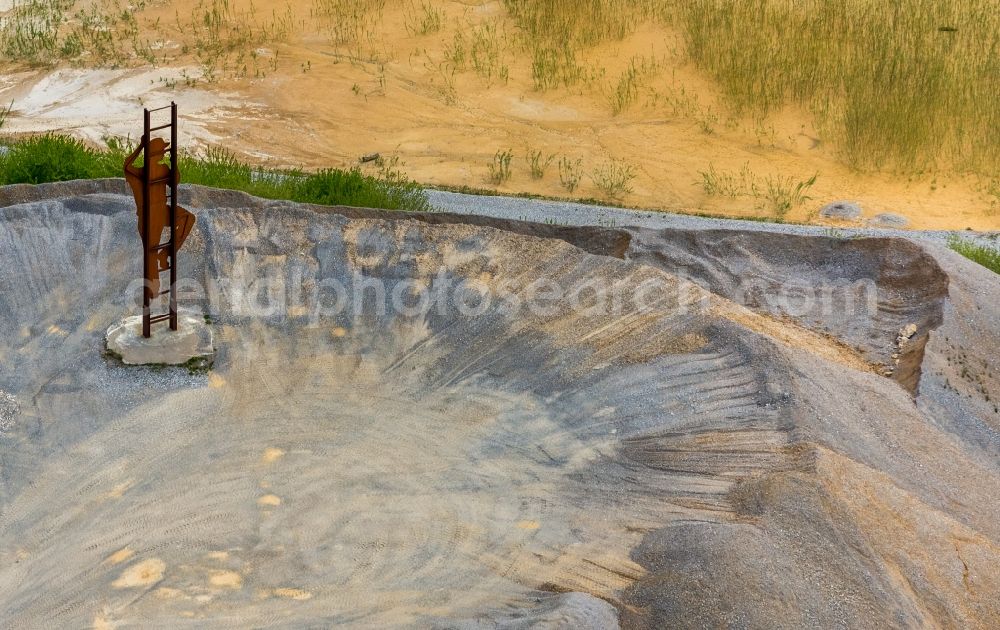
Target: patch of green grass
(555, 65)
(108, 33)
(581, 23)
(985, 256)
(105, 32)
(31, 31)
(355, 25)
(726, 184)
(908, 84)
(53, 158)
(554, 32)
(486, 52)
(227, 38)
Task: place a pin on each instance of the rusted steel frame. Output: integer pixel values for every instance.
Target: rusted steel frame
(149, 265)
(174, 171)
(147, 289)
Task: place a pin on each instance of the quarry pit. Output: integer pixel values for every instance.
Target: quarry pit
(707, 451)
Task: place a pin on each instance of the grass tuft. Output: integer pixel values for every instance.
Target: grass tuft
(5, 112)
(985, 256)
(570, 173)
(626, 90)
(500, 170)
(538, 163)
(784, 193)
(614, 178)
(423, 20)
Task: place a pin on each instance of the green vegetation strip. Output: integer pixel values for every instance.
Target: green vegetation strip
(55, 158)
(985, 256)
(908, 84)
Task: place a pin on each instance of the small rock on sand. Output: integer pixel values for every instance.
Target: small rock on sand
(846, 210)
(888, 220)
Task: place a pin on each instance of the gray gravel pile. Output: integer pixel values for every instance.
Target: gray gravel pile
(694, 457)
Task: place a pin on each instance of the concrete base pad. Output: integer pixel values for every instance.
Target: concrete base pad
(191, 341)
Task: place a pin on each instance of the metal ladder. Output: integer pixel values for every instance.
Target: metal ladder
(149, 270)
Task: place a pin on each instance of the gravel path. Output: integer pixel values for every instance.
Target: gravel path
(569, 213)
